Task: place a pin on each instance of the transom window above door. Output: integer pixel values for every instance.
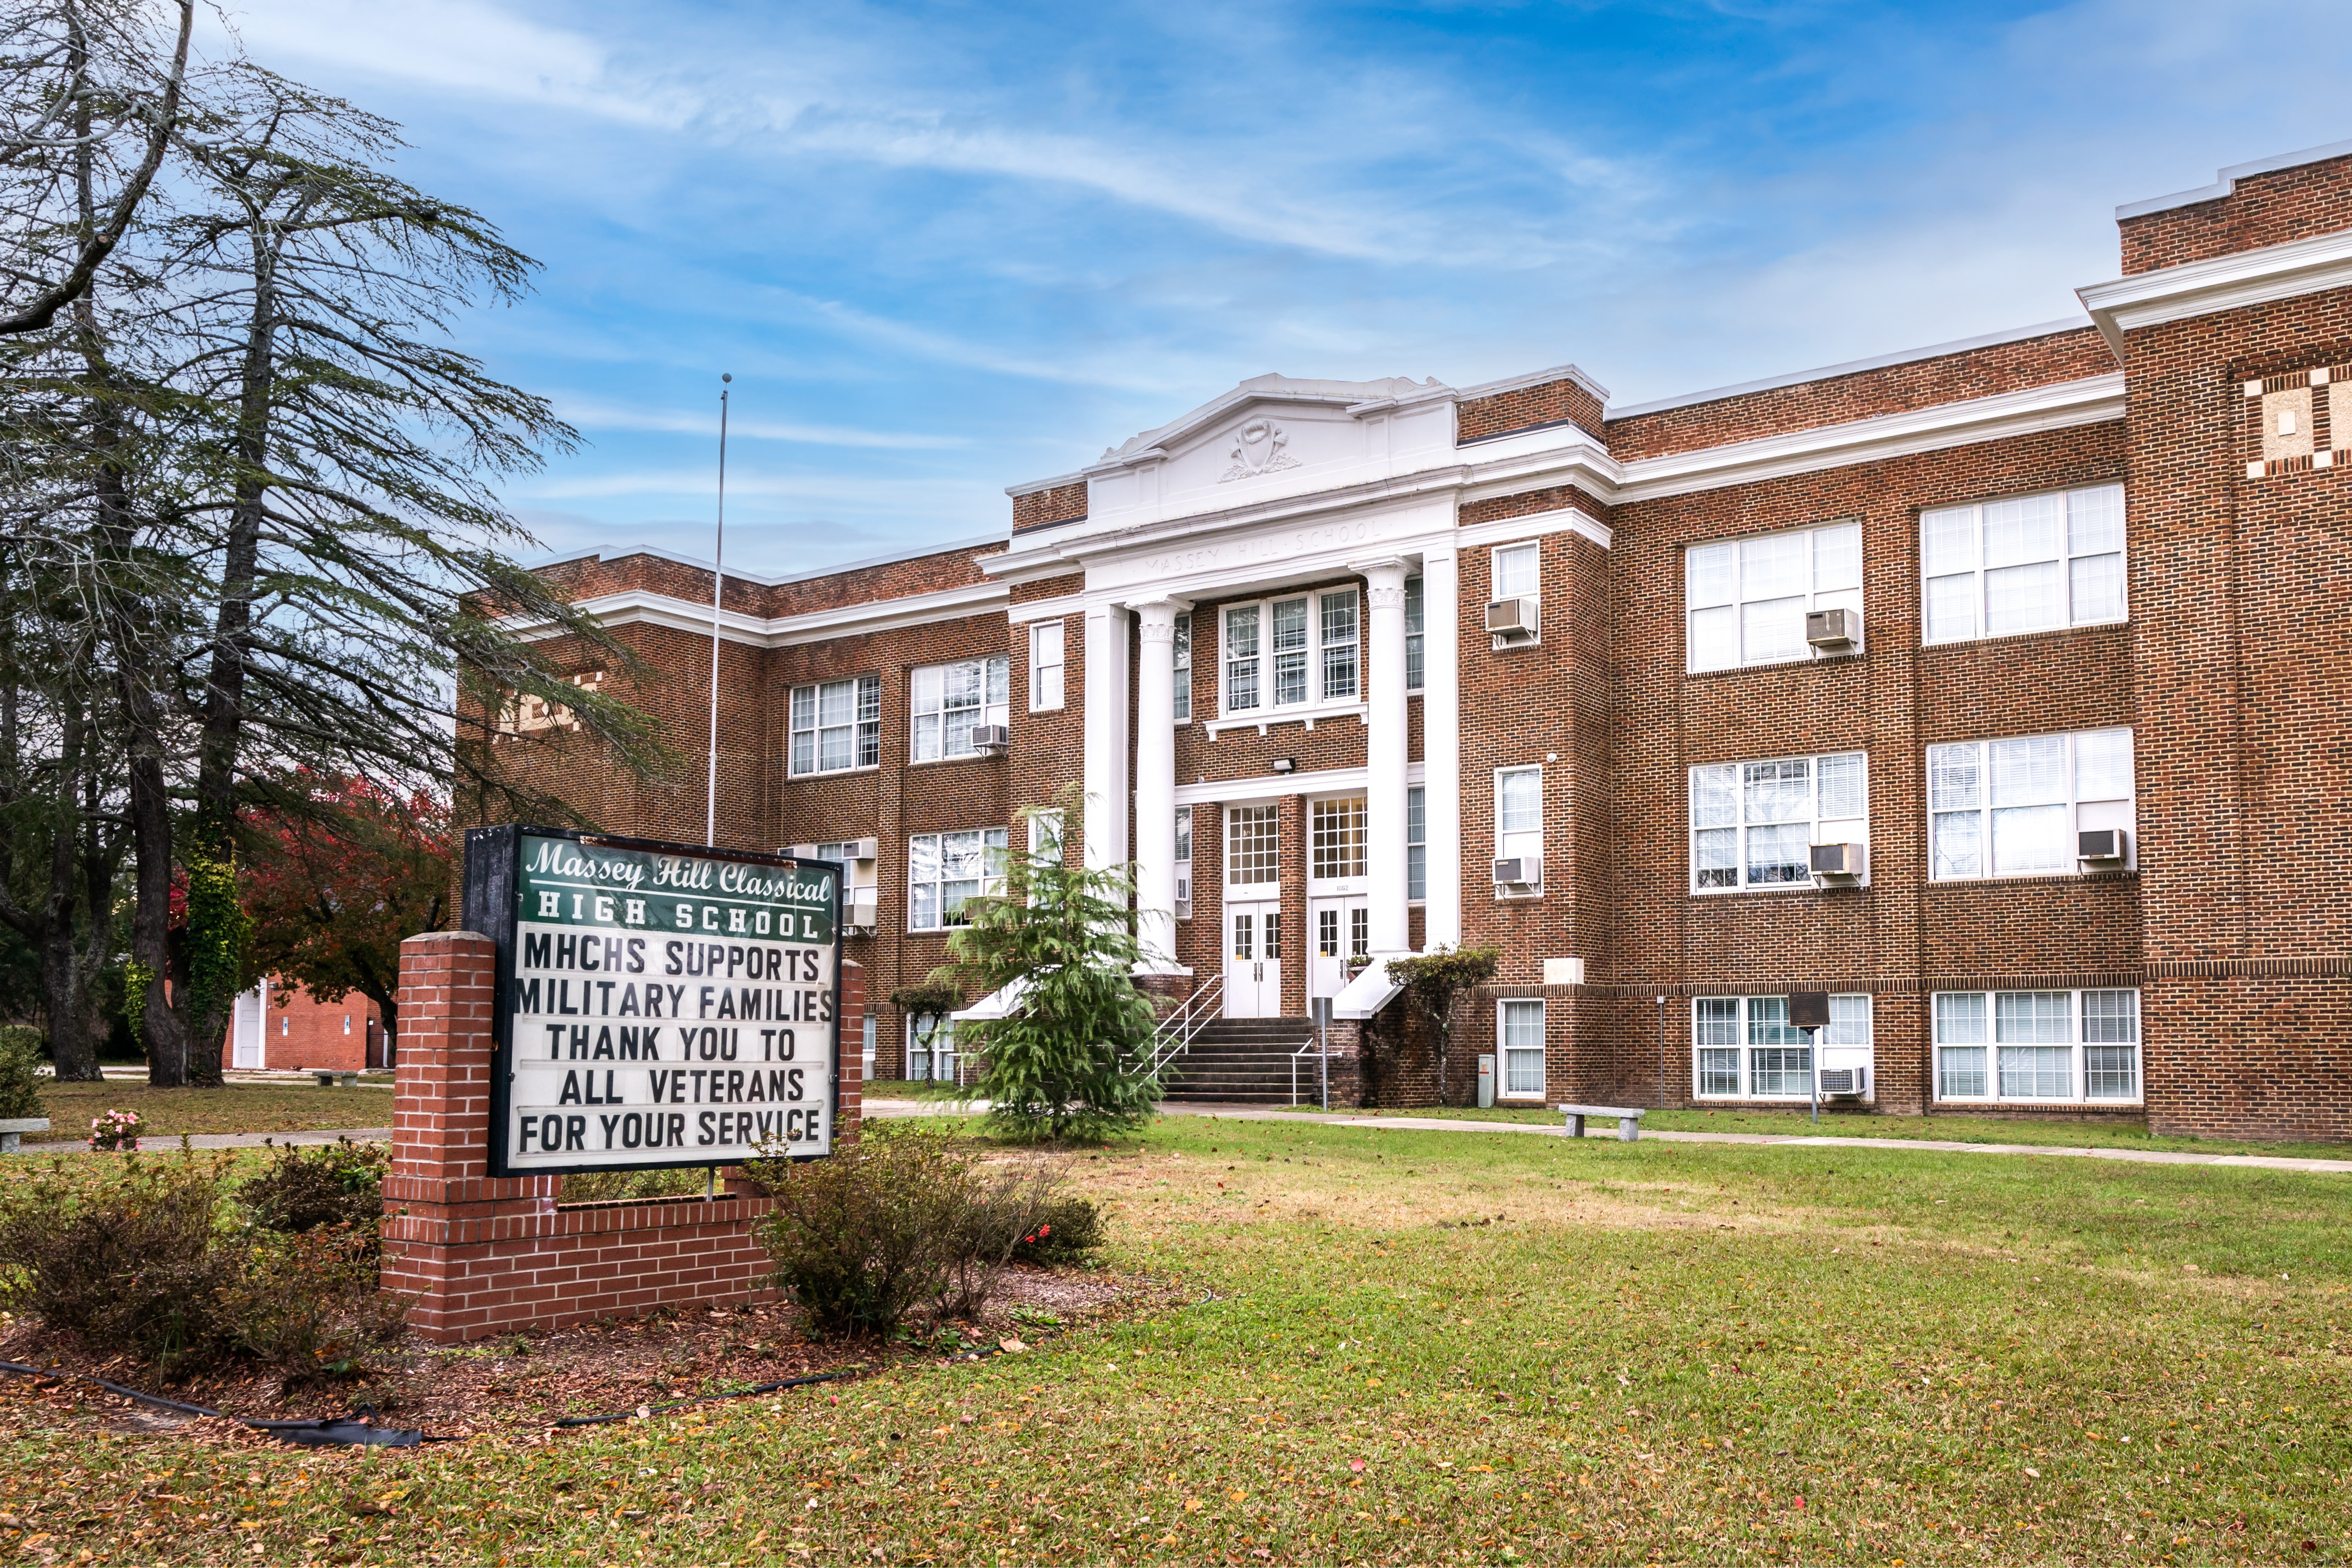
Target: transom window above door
(1253, 844)
(1292, 653)
(1336, 838)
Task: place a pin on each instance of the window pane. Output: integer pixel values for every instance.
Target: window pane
(2027, 839)
(1711, 575)
(2030, 528)
(2111, 1018)
(1718, 1072)
(2029, 772)
(1714, 858)
(1715, 638)
(1772, 631)
(1289, 640)
(1336, 837)
(1954, 776)
(926, 697)
(2095, 520)
(1521, 802)
(1960, 1018)
(1959, 843)
(869, 699)
(2022, 599)
(1844, 786)
(1523, 1073)
(1289, 624)
(2102, 765)
(1240, 658)
(1773, 567)
(1414, 606)
(1290, 678)
(927, 737)
(1961, 1071)
(1776, 856)
(999, 671)
(1849, 1021)
(2037, 1072)
(1837, 558)
(1416, 873)
(1338, 614)
(1182, 640)
(1253, 844)
(1241, 631)
(1184, 833)
(924, 907)
(1717, 1020)
(1778, 792)
(1714, 797)
(1523, 1026)
(804, 752)
(1768, 1023)
(834, 749)
(803, 707)
(1516, 573)
(2112, 1072)
(2097, 588)
(1951, 608)
(1948, 540)
(1784, 1070)
(2034, 1017)
(836, 701)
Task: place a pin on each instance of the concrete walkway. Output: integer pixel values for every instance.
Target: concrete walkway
(1543, 1130)
(166, 1143)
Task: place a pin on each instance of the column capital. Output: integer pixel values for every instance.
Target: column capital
(1394, 567)
(1155, 619)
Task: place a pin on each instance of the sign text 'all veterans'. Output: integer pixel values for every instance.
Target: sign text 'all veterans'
(660, 1004)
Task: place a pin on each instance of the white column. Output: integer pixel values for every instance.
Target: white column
(1155, 784)
(1106, 735)
(1441, 745)
(1384, 754)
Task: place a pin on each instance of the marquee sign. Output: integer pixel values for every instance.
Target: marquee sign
(659, 1004)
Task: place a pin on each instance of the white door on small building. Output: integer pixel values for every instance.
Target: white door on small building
(246, 1022)
(1337, 930)
(1254, 960)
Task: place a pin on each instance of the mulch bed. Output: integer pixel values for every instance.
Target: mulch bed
(524, 1383)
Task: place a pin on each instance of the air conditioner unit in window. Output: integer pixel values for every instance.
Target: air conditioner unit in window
(1840, 863)
(1833, 631)
(799, 851)
(990, 738)
(1512, 620)
(2101, 846)
(1183, 891)
(865, 849)
(1842, 1080)
(858, 909)
(1523, 871)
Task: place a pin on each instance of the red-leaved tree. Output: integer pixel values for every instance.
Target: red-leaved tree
(335, 887)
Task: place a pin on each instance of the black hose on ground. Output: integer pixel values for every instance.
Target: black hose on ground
(315, 1433)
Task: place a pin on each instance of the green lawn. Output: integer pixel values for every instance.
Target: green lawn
(234, 1107)
(1418, 1347)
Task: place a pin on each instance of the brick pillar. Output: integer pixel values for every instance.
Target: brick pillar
(853, 1055)
(443, 1214)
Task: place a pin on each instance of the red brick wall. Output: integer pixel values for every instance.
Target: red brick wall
(1564, 401)
(2262, 209)
(299, 1031)
(1041, 509)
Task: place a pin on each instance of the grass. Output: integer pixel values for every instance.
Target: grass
(1418, 1347)
(234, 1108)
(918, 1088)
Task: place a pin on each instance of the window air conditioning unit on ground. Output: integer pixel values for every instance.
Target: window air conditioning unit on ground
(1525, 871)
(1833, 631)
(2100, 846)
(1842, 1080)
(990, 738)
(1840, 863)
(1512, 620)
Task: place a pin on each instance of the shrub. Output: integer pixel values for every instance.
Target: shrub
(903, 1218)
(334, 1183)
(20, 1061)
(307, 1302)
(1067, 1230)
(595, 1186)
(117, 1130)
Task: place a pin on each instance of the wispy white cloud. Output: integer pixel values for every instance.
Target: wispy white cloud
(590, 414)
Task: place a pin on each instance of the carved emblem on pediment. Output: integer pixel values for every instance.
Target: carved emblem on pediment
(1257, 448)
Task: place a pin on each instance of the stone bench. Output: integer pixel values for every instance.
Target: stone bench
(329, 1077)
(1629, 1119)
(13, 1130)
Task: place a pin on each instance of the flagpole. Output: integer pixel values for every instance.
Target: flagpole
(718, 586)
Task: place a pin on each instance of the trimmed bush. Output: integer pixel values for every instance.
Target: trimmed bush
(20, 1061)
(1065, 1232)
(332, 1183)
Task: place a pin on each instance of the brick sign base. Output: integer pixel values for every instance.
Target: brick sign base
(484, 1256)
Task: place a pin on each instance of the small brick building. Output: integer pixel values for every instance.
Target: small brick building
(1996, 689)
(277, 1027)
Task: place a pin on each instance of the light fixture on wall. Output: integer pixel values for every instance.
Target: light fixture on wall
(1285, 764)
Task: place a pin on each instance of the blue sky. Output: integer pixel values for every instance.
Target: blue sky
(946, 248)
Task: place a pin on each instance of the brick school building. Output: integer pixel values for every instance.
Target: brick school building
(1996, 689)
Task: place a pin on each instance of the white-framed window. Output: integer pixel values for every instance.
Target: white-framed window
(1045, 835)
(950, 701)
(1515, 572)
(944, 871)
(1252, 846)
(1183, 862)
(1416, 845)
(931, 1047)
(1045, 665)
(1753, 825)
(1293, 652)
(1415, 615)
(1518, 818)
(1519, 1027)
(1745, 600)
(1744, 1047)
(1335, 838)
(836, 725)
(1182, 648)
(2013, 807)
(2036, 1046)
(2029, 563)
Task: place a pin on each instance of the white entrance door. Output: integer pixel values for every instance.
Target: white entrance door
(1337, 930)
(1254, 960)
(247, 1017)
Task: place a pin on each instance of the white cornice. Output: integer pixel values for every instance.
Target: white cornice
(640, 606)
(2219, 283)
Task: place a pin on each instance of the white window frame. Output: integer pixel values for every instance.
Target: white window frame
(1416, 620)
(1317, 654)
(1946, 806)
(1964, 1022)
(1416, 843)
(1961, 570)
(1045, 665)
(943, 1044)
(1513, 842)
(864, 733)
(1338, 855)
(1046, 834)
(1533, 547)
(1508, 1056)
(990, 883)
(1183, 862)
(1851, 1014)
(1256, 813)
(1845, 827)
(1716, 584)
(951, 727)
(1181, 650)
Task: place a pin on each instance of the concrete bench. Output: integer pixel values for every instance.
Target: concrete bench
(1629, 1119)
(13, 1130)
(330, 1078)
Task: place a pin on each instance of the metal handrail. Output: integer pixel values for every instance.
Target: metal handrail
(1320, 1048)
(1176, 1032)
